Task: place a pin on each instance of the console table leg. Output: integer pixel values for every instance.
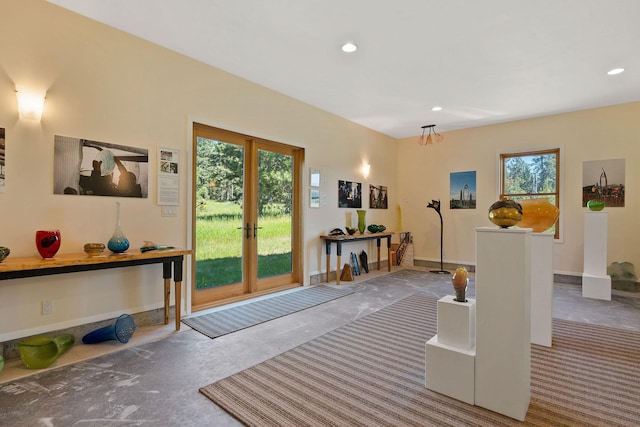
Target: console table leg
(378, 245)
(328, 252)
(167, 295)
(166, 275)
(177, 277)
(388, 253)
(178, 303)
(338, 265)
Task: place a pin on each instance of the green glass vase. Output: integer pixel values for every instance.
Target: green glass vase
(362, 220)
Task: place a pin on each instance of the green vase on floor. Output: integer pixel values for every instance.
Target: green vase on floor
(362, 222)
(41, 351)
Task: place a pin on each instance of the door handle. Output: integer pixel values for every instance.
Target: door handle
(255, 230)
(247, 229)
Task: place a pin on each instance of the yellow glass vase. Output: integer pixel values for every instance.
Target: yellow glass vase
(538, 214)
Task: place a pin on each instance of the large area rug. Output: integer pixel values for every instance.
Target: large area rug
(233, 319)
(371, 373)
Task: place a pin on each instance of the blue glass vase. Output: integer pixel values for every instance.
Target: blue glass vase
(121, 330)
(118, 242)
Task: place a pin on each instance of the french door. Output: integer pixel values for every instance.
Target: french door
(246, 222)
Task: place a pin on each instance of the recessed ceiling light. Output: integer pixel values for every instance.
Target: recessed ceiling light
(615, 71)
(349, 47)
(436, 108)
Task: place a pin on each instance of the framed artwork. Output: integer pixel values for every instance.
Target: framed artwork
(462, 190)
(168, 177)
(91, 168)
(604, 180)
(349, 194)
(377, 196)
(314, 198)
(314, 177)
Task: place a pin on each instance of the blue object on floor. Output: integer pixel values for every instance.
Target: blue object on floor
(122, 330)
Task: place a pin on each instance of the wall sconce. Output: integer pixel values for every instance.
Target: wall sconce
(366, 167)
(429, 138)
(30, 105)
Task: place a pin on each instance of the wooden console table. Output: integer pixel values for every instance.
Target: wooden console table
(339, 240)
(16, 268)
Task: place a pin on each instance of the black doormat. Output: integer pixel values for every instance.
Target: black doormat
(243, 316)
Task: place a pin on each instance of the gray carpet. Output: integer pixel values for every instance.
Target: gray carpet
(371, 373)
(243, 316)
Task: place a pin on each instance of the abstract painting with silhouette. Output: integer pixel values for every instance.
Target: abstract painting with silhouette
(91, 168)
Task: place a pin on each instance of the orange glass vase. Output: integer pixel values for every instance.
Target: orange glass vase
(538, 214)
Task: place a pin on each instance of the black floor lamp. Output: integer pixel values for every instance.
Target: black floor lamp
(435, 205)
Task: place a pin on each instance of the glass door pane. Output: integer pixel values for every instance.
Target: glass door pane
(275, 210)
(219, 229)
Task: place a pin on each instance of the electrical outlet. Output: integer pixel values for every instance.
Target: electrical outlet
(47, 307)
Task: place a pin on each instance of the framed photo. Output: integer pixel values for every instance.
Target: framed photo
(462, 190)
(91, 168)
(314, 198)
(314, 177)
(604, 180)
(168, 177)
(377, 196)
(349, 194)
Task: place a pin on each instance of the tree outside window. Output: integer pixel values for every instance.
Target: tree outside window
(530, 175)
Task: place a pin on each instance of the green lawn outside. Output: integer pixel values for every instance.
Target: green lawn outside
(219, 244)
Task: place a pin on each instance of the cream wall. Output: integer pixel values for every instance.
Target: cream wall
(598, 134)
(105, 85)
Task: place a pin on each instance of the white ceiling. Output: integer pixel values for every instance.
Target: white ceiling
(484, 61)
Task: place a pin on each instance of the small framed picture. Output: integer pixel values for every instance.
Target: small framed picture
(377, 196)
(349, 194)
(314, 198)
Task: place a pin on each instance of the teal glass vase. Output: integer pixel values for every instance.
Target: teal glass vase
(118, 243)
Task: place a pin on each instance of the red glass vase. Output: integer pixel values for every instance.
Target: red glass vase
(48, 242)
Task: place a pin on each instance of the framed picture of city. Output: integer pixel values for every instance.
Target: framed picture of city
(462, 190)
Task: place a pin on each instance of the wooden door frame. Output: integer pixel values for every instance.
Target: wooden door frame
(245, 290)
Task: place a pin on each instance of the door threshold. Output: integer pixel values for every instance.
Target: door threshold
(243, 297)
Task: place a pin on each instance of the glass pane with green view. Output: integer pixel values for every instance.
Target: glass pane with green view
(219, 220)
(275, 203)
(531, 176)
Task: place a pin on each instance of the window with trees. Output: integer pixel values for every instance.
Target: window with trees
(532, 174)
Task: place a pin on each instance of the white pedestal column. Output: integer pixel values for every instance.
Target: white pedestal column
(503, 324)
(450, 370)
(457, 322)
(595, 281)
(541, 288)
(450, 355)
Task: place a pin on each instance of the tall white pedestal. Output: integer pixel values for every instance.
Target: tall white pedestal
(595, 281)
(541, 288)
(503, 324)
(450, 355)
